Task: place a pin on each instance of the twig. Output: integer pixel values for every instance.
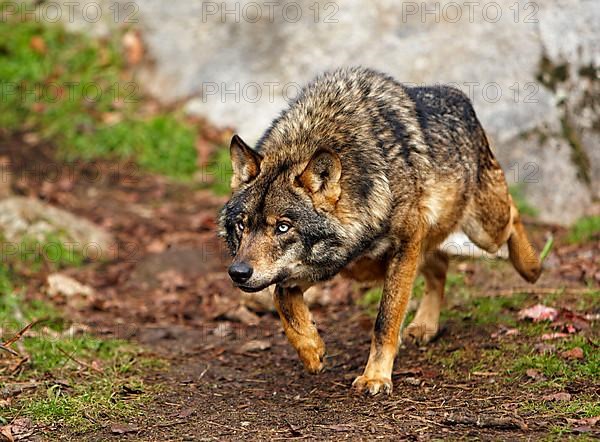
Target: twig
(538, 291)
(170, 424)
(204, 372)
(427, 421)
(481, 421)
(19, 364)
(83, 364)
(16, 337)
(10, 350)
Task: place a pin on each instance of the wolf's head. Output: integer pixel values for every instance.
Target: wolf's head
(279, 224)
(315, 193)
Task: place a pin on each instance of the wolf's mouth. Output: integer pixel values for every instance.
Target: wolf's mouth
(250, 289)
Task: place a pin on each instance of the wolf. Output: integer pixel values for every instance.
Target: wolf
(365, 176)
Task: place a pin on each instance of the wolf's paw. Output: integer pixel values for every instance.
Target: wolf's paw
(312, 357)
(420, 333)
(373, 386)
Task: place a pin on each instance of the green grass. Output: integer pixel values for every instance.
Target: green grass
(558, 370)
(588, 301)
(53, 253)
(371, 298)
(496, 310)
(584, 230)
(81, 380)
(585, 405)
(218, 173)
(65, 93)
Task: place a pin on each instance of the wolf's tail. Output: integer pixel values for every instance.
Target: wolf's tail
(521, 253)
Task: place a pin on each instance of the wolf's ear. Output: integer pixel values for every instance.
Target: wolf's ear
(244, 161)
(321, 178)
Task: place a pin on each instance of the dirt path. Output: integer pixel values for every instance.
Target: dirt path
(168, 291)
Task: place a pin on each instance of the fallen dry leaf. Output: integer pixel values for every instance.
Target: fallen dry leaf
(549, 336)
(134, 48)
(31, 138)
(156, 246)
(38, 44)
(538, 312)
(588, 421)
(111, 118)
(544, 348)
(186, 412)
(574, 353)
(171, 280)
(255, 345)
(534, 374)
(243, 315)
(582, 429)
(505, 332)
(20, 429)
(123, 429)
(570, 322)
(557, 397)
(408, 371)
(6, 433)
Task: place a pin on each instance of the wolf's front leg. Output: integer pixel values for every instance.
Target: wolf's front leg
(400, 275)
(299, 327)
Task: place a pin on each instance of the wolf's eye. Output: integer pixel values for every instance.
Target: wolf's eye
(282, 228)
(240, 226)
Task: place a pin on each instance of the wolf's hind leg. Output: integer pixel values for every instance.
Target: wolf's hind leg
(425, 325)
(299, 327)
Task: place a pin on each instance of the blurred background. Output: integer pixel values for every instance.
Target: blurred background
(118, 319)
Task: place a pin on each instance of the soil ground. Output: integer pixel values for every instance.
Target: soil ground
(168, 291)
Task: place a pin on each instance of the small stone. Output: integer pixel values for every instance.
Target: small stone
(412, 381)
(59, 284)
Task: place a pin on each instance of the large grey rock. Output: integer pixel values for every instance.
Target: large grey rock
(238, 69)
(24, 219)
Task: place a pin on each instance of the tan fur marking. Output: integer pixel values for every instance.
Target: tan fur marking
(300, 328)
(400, 275)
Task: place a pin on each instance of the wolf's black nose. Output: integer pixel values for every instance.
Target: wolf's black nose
(240, 272)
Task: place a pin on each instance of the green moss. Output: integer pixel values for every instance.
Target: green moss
(590, 72)
(550, 74)
(100, 379)
(217, 174)
(579, 156)
(585, 229)
(560, 371)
